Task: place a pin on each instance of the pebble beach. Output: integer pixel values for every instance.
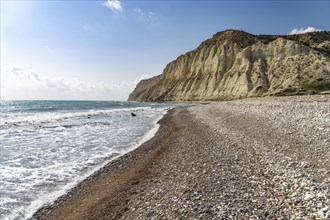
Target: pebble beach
(256, 158)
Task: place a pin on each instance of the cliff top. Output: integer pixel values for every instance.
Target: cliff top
(236, 64)
(317, 40)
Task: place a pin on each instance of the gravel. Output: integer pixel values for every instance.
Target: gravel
(257, 158)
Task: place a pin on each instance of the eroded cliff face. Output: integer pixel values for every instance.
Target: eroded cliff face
(234, 64)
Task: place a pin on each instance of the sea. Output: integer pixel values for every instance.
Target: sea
(48, 147)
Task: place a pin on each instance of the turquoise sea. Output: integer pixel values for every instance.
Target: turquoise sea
(47, 147)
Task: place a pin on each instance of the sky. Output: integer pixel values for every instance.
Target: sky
(99, 50)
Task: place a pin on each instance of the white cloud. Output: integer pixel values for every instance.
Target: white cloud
(35, 75)
(15, 69)
(148, 20)
(30, 75)
(114, 5)
(20, 83)
(143, 16)
(142, 77)
(20, 72)
(139, 13)
(302, 30)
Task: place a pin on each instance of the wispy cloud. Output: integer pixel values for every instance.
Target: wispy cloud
(142, 77)
(143, 16)
(302, 30)
(21, 72)
(139, 12)
(114, 5)
(35, 75)
(148, 20)
(15, 69)
(22, 82)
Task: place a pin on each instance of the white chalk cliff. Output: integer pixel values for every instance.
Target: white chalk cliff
(235, 64)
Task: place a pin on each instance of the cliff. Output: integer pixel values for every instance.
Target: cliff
(235, 64)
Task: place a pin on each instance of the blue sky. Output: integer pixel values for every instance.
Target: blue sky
(99, 50)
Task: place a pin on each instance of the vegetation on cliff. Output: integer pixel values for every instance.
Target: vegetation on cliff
(235, 64)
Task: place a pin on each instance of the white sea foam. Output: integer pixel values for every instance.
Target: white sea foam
(32, 118)
(41, 163)
(50, 198)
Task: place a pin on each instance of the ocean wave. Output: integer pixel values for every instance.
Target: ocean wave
(46, 154)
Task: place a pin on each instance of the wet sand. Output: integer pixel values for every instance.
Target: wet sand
(253, 158)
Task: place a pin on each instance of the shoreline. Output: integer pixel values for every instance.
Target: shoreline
(117, 164)
(56, 195)
(260, 157)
